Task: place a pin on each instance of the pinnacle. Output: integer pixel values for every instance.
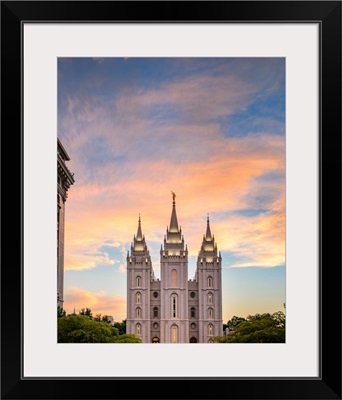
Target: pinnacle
(208, 233)
(139, 233)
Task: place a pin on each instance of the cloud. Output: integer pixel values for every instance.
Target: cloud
(258, 241)
(111, 243)
(195, 99)
(124, 125)
(123, 268)
(79, 260)
(82, 252)
(100, 303)
(229, 179)
(130, 146)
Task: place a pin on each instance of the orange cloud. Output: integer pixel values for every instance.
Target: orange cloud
(100, 303)
(259, 240)
(223, 182)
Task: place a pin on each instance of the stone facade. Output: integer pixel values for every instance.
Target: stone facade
(173, 309)
(64, 180)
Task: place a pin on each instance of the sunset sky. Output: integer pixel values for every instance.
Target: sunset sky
(210, 129)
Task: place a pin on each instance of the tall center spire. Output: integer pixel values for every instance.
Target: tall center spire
(139, 233)
(208, 233)
(173, 221)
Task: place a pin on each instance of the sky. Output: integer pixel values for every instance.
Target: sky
(212, 130)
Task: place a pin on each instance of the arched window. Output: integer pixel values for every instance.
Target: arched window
(155, 312)
(138, 329)
(174, 334)
(138, 297)
(210, 281)
(210, 297)
(193, 312)
(174, 306)
(210, 329)
(210, 313)
(138, 281)
(173, 278)
(138, 312)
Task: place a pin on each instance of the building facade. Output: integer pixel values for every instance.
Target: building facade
(174, 309)
(64, 180)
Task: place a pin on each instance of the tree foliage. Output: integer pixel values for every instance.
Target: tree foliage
(121, 326)
(100, 318)
(60, 312)
(127, 338)
(87, 312)
(232, 323)
(83, 328)
(105, 319)
(258, 328)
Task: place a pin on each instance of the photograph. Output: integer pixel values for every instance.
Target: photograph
(171, 200)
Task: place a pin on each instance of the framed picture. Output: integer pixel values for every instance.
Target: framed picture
(245, 93)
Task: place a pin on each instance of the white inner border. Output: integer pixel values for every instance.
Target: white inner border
(43, 43)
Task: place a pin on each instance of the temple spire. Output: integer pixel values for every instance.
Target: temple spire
(173, 221)
(139, 233)
(208, 233)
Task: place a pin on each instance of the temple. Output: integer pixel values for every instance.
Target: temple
(174, 309)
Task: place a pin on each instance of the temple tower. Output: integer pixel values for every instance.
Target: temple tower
(208, 276)
(174, 320)
(139, 273)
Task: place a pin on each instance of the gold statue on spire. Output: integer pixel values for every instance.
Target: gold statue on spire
(173, 195)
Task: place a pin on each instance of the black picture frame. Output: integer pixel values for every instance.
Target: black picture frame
(328, 15)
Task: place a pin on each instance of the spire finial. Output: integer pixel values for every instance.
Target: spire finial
(208, 217)
(173, 221)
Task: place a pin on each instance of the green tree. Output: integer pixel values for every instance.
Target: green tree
(258, 328)
(82, 329)
(127, 338)
(60, 312)
(105, 319)
(97, 318)
(232, 323)
(121, 326)
(279, 318)
(87, 312)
